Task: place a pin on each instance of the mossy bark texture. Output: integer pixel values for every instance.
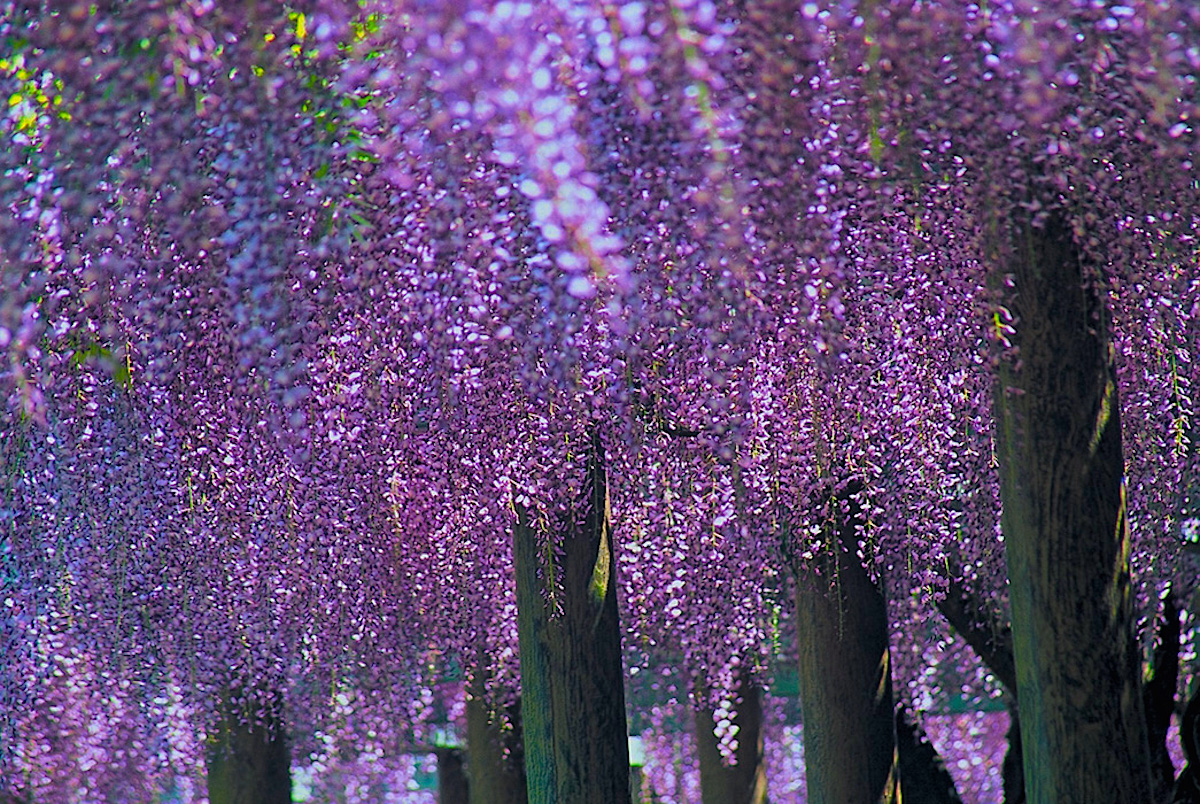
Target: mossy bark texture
(1083, 729)
(845, 677)
(573, 693)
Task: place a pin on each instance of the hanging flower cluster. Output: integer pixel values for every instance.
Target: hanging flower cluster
(301, 305)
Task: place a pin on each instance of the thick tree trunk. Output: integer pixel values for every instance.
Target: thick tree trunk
(495, 759)
(1083, 728)
(248, 757)
(845, 679)
(573, 693)
(452, 777)
(744, 782)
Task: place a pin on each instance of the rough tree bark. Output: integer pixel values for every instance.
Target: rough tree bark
(744, 782)
(1083, 728)
(992, 641)
(845, 677)
(248, 757)
(573, 693)
(495, 757)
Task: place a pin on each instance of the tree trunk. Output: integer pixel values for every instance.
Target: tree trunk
(845, 678)
(746, 781)
(248, 757)
(1160, 697)
(1013, 769)
(922, 771)
(1187, 786)
(1083, 729)
(573, 693)
(452, 777)
(495, 759)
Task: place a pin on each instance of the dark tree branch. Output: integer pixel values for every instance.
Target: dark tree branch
(989, 638)
(1187, 786)
(678, 432)
(923, 774)
(1159, 695)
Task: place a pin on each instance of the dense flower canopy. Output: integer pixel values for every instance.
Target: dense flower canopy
(301, 304)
